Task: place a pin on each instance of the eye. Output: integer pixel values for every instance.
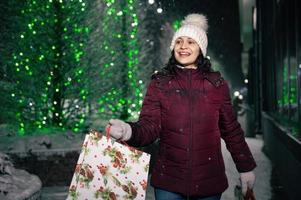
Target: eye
(178, 41)
(191, 42)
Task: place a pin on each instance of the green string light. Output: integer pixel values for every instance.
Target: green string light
(63, 61)
(114, 101)
(36, 63)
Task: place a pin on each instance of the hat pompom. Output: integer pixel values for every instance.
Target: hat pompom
(198, 20)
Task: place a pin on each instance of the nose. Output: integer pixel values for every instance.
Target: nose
(184, 45)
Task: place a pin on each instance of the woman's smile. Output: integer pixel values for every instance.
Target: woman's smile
(184, 54)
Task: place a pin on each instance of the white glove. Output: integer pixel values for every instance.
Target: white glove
(119, 129)
(247, 180)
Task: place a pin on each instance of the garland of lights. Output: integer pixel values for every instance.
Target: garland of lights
(40, 61)
(51, 87)
(115, 101)
(76, 35)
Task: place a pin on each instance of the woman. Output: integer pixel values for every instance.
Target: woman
(188, 107)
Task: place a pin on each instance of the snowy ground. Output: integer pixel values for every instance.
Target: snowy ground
(16, 184)
(41, 143)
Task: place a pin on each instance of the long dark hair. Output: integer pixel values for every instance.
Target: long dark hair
(203, 64)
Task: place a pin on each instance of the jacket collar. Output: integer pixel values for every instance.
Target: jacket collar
(183, 72)
(214, 78)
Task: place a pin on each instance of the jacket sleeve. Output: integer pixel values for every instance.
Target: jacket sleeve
(233, 135)
(146, 130)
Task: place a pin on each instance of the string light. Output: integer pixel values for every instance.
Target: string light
(36, 58)
(159, 10)
(36, 64)
(151, 2)
(115, 101)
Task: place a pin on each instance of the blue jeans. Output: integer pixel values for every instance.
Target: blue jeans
(165, 195)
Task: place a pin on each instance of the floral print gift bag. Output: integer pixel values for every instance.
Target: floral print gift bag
(109, 170)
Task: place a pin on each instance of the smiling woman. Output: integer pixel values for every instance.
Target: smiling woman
(188, 107)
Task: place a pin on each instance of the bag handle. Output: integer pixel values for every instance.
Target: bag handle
(108, 128)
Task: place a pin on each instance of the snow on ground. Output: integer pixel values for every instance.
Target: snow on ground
(46, 144)
(16, 184)
(19, 184)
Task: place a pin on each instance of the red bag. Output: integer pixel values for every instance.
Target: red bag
(249, 195)
(239, 196)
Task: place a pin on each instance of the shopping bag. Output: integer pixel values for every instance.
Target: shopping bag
(239, 196)
(109, 170)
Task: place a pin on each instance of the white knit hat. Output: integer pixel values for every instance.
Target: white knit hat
(194, 26)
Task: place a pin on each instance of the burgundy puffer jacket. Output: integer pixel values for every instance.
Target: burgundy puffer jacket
(190, 111)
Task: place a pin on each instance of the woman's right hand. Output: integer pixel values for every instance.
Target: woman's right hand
(119, 129)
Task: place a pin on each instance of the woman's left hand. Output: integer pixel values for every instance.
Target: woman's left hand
(247, 180)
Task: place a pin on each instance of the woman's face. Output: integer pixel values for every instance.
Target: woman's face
(186, 51)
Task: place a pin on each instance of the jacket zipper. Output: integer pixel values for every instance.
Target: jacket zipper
(204, 91)
(190, 134)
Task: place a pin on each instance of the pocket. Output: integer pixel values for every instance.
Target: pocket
(171, 97)
(213, 100)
